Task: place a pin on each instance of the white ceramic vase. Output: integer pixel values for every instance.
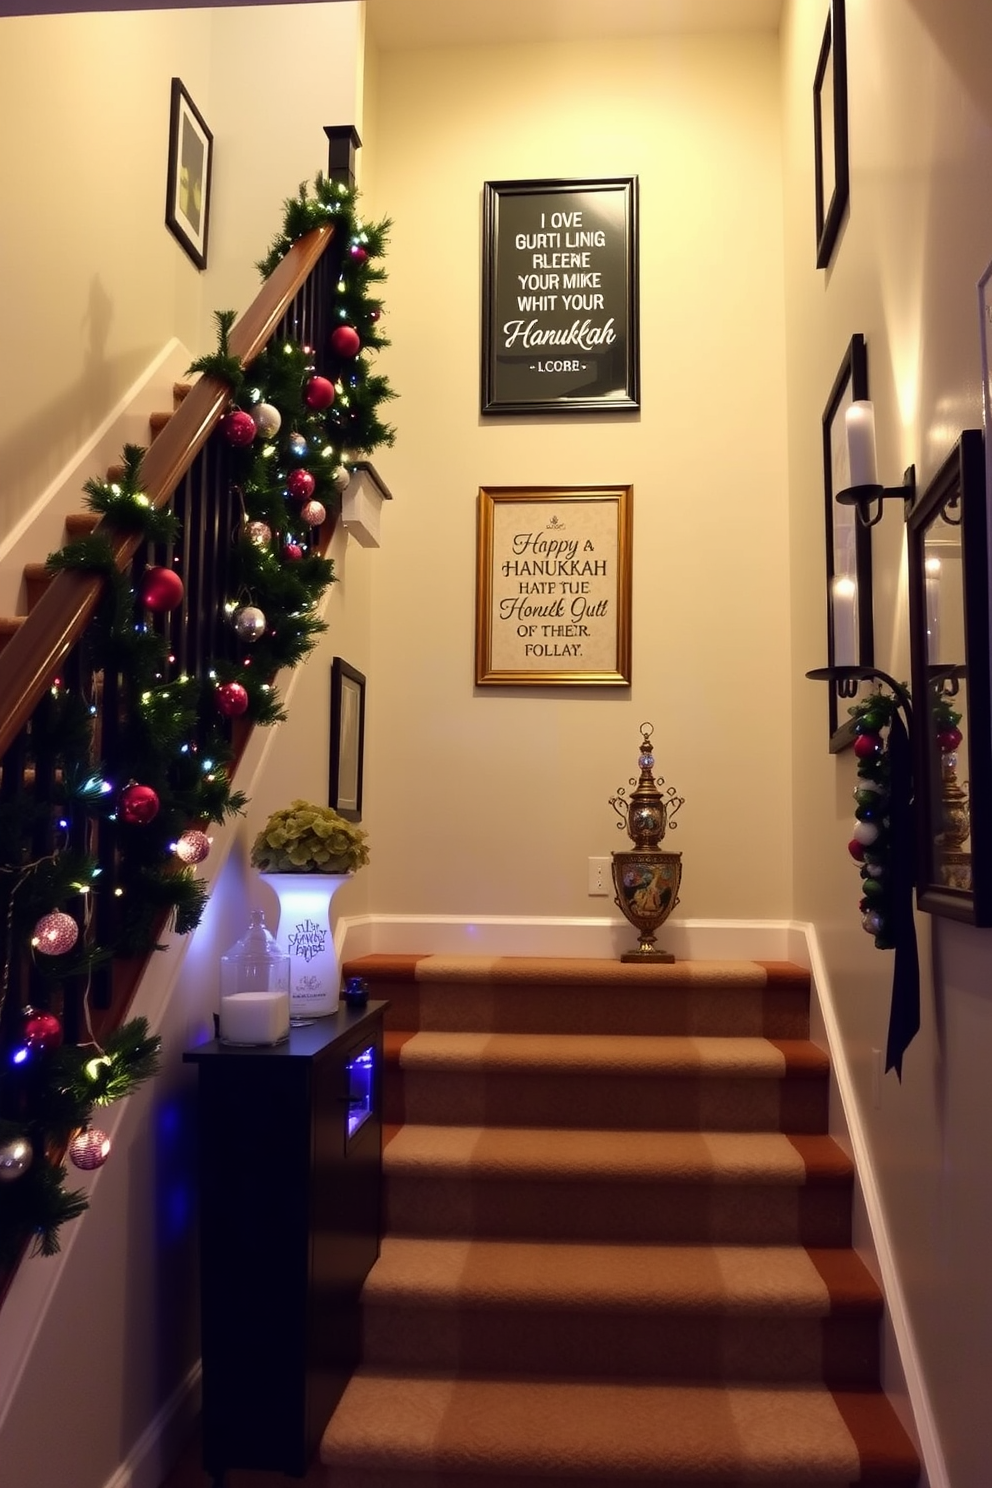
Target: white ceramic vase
(304, 933)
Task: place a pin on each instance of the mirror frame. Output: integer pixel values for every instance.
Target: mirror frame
(960, 480)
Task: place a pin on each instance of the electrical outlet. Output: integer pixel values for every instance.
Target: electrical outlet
(600, 877)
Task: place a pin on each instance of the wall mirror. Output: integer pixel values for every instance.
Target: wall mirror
(949, 639)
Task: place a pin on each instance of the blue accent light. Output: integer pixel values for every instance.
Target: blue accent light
(361, 1085)
(20, 1055)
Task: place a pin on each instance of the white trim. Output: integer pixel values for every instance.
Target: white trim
(161, 1444)
(928, 1442)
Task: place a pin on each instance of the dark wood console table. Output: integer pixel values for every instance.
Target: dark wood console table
(290, 1156)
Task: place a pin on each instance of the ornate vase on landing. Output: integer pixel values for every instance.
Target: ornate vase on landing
(645, 876)
(304, 933)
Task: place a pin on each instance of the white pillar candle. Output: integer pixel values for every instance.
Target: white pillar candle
(845, 622)
(860, 423)
(254, 1017)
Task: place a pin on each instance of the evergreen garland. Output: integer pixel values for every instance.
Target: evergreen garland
(170, 736)
(870, 845)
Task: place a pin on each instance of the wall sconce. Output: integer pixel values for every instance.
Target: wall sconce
(865, 491)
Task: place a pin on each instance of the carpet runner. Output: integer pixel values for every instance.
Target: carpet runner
(617, 1244)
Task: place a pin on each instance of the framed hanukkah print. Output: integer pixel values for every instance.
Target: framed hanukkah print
(850, 638)
(952, 707)
(830, 156)
(553, 586)
(191, 149)
(559, 296)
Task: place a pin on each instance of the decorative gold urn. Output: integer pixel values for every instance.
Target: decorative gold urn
(646, 878)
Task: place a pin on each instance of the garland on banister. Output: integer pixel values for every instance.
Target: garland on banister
(293, 436)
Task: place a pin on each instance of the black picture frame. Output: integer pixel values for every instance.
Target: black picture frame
(560, 324)
(347, 753)
(850, 623)
(830, 144)
(191, 158)
(949, 650)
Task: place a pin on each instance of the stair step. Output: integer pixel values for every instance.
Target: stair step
(37, 578)
(759, 1188)
(607, 1080)
(158, 421)
(699, 1312)
(80, 524)
(529, 994)
(440, 1431)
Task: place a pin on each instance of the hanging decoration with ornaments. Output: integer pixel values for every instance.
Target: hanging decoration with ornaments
(49, 1095)
(883, 847)
(870, 845)
(297, 419)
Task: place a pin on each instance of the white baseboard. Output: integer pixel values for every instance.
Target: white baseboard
(161, 1444)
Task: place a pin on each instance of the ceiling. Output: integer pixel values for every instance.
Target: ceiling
(399, 25)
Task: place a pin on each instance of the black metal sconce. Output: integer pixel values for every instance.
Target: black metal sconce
(865, 491)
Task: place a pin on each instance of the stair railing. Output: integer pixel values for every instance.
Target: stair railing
(185, 467)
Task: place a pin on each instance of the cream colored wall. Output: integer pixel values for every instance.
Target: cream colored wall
(490, 800)
(92, 283)
(904, 273)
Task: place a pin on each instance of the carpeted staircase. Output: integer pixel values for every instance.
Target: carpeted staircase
(617, 1239)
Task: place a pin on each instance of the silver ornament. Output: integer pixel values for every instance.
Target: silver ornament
(16, 1157)
(268, 420)
(341, 477)
(249, 623)
(260, 533)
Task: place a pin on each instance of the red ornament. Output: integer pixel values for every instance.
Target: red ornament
(55, 933)
(313, 513)
(857, 850)
(193, 846)
(374, 314)
(232, 699)
(161, 589)
(41, 1030)
(345, 341)
(239, 428)
(949, 739)
(357, 253)
(90, 1149)
(300, 485)
(292, 552)
(868, 746)
(319, 393)
(139, 805)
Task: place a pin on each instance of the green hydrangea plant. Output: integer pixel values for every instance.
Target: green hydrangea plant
(304, 838)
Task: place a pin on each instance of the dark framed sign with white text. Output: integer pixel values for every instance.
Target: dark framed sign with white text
(559, 296)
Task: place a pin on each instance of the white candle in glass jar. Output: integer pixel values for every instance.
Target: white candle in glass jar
(254, 1017)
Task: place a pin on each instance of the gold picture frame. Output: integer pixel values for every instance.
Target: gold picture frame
(553, 586)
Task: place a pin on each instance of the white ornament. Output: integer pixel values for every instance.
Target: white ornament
(268, 420)
(865, 832)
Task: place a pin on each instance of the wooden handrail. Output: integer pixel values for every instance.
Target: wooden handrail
(34, 653)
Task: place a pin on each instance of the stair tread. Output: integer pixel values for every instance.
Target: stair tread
(625, 1054)
(619, 1432)
(554, 1154)
(756, 1279)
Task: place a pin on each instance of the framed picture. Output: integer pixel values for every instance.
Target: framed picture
(187, 201)
(559, 296)
(832, 183)
(553, 586)
(850, 638)
(949, 645)
(347, 740)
